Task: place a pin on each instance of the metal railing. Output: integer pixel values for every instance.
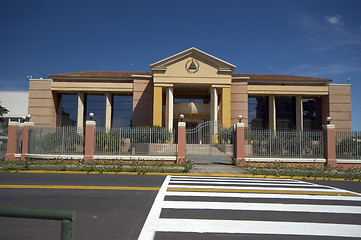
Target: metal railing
(283, 144)
(135, 141)
(348, 144)
(19, 141)
(66, 216)
(67, 140)
(3, 144)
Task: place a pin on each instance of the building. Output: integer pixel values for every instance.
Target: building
(16, 102)
(193, 83)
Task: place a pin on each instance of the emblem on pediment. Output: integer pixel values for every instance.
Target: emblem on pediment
(192, 66)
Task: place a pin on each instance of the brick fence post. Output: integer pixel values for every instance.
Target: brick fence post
(89, 145)
(239, 144)
(12, 140)
(25, 139)
(329, 144)
(181, 154)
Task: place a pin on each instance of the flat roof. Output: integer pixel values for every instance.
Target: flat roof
(16, 102)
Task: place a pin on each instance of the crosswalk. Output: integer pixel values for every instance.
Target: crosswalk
(251, 208)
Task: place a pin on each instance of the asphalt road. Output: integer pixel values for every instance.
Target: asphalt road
(121, 214)
(100, 214)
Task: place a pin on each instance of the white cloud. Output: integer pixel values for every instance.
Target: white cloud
(335, 20)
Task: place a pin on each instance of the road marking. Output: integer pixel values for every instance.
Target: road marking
(254, 188)
(262, 207)
(189, 174)
(264, 195)
(79, 187)
(257, 227)
(262, 191)
(209, 187)
(242, 183)
(233, 179)
(153, 216)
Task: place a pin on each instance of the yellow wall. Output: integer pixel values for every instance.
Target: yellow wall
(157, 106)
(226, 107)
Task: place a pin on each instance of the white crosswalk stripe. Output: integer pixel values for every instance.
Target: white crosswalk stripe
(187, 204)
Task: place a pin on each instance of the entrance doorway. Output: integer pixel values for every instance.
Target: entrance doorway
(209, 143)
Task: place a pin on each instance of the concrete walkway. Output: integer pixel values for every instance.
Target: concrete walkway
(217, 168)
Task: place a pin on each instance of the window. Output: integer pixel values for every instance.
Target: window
(68, 110)
(96, 105)
(309, 113)
(185, 100)
(122, 110)
(258, 112)
(285, 113)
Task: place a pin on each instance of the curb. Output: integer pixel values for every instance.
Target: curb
(187, 174)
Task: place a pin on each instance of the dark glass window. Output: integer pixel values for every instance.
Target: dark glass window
(122, 110)
(185, 100)
(67, 114)
(258, 112)
(309, 113)
(285, 113)
(95, 104)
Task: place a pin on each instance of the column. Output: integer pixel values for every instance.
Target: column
(89, 140)
(226, 107)
(12, 141)
(25, 139)
(169, 109)
(214, 115)
(239, 149)
(299, 113)
(272, 113)
(329, 144)
(157, 106)
(80, 118)
(108, 110)
(181, 153)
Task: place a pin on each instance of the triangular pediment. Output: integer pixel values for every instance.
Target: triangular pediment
(222, 66)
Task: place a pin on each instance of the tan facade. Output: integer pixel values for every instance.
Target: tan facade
(195, 84)
(340, 105)
(42, 102)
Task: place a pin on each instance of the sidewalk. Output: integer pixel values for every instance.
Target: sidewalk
(217, 168)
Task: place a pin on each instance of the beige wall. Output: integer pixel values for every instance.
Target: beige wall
(41, 103)
(239, 101)
(340, 105)
(142, 102)
(207, 74)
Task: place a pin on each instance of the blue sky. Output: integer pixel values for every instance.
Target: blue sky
(316, 38)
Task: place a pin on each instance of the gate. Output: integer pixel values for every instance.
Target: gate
(209, 142)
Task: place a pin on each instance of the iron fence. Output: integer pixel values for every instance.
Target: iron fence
(67, 140)
(135, 141)
(19, 141)
(3, 144)
(348, 144)
(283, 144)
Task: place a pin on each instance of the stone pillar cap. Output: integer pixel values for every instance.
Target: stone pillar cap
(181, 124)
(90, 123)
(328, 126)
